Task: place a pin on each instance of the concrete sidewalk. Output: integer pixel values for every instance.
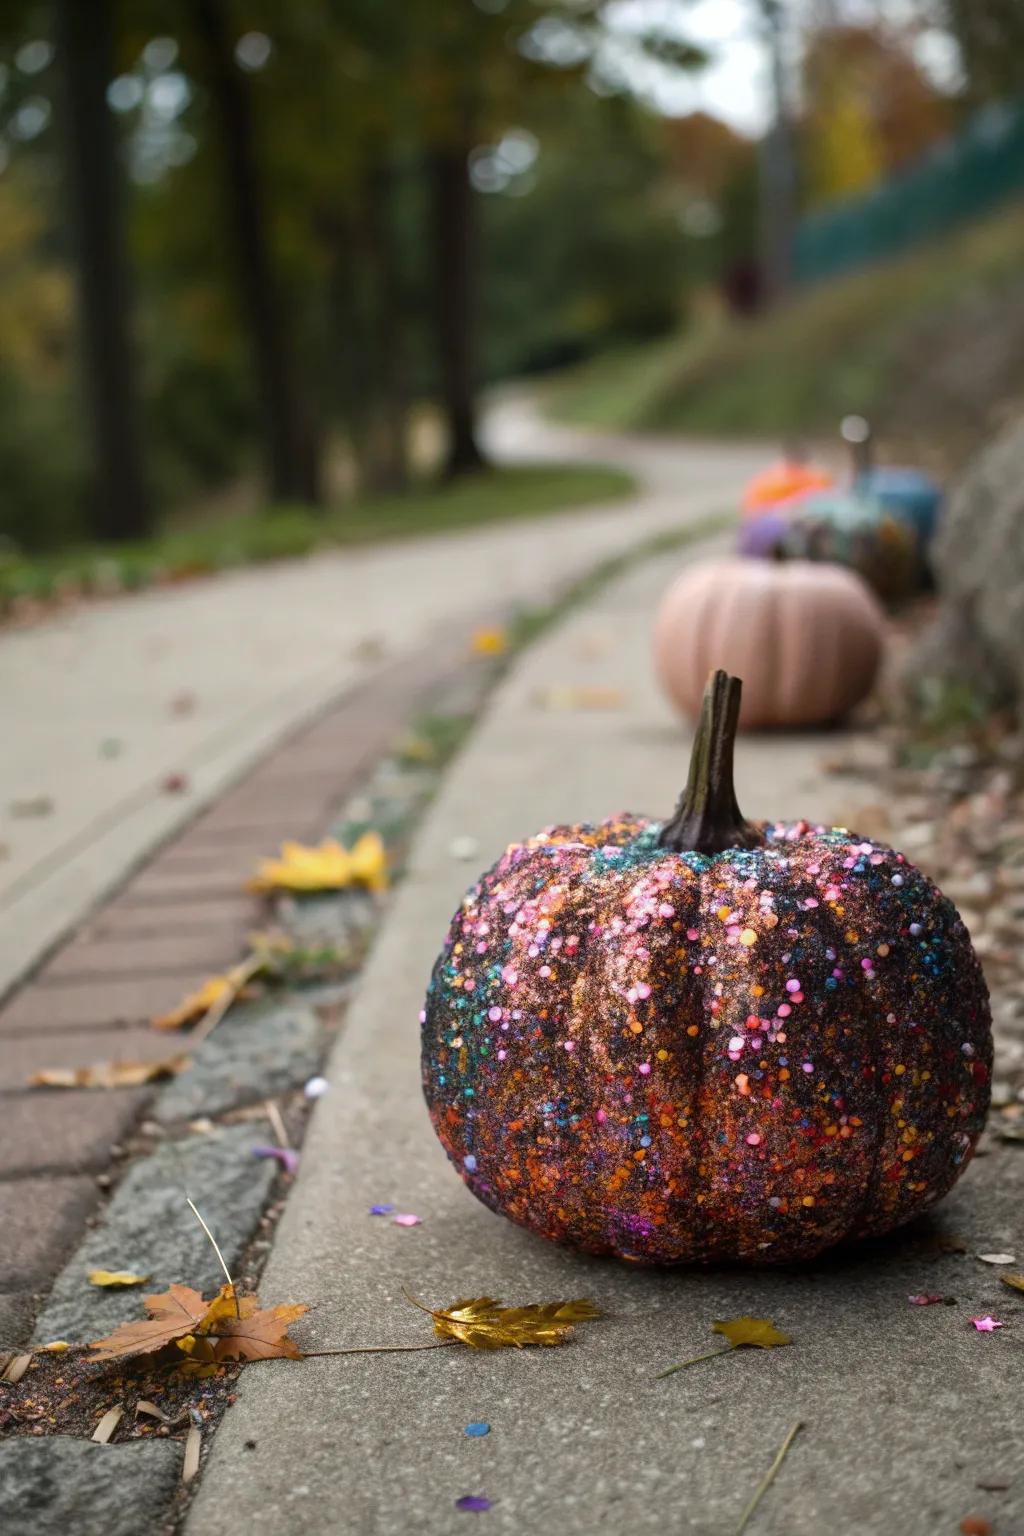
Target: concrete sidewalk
(908, 1412)
(103, 703)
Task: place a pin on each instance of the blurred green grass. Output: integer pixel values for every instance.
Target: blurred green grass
(280, 533)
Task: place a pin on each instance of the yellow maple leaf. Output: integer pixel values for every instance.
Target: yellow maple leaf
(331, 867)
(115, 1277)
(751, 1332)
(214, 990)
(483, 1323)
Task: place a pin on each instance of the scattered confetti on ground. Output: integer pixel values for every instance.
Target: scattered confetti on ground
(477, 1429)
(986, 1324)
(381, 1210)
(316, 1088)
(406, 1219)
(927, 1300)
(473, 1501)
(286, 1156)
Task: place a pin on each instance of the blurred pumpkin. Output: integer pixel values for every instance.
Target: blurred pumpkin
(858, 531)
(807, 638)
(911, 494)
(791, 477)
(763, 537)
(706, 1040)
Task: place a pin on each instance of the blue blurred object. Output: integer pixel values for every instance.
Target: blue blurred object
(910, 493)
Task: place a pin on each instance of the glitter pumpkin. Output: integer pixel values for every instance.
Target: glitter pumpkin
(706, 1040)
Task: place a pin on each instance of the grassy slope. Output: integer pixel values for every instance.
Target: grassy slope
(495, 496)
(930, 343)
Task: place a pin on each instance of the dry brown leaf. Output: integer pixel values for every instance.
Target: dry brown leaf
(483, 1323)
(1015, 1282)
(113, 1278)
(109, 1074)
(193, 1447)
(259, 1335)
(215, 990)
(172, 1314)
(207, 1333)
(106, 1426)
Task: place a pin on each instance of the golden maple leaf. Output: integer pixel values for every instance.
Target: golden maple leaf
(115, 1277)
(751, 1332)
(1015, 1282)
(483, 1323)
(172, 1314)
(331, 867)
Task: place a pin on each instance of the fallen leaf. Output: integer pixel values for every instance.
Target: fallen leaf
(214, 990)
(172, 1314)
(16, 1368)
(229, 1327)
(484, 1323)
(109, 1074)
(57, 1347)
(752, 1333)
(998, 1258)
(260, 1335)
(115, 1277)
(193, 1448)
(489, 641)
(106, 1426)
(330, 867)
(741, 1332)
(1015, 1282)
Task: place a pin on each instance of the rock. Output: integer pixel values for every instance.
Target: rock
(16, 1309)
(254, 1053)
(148, 1228)
(978, 560)
(55, 1486)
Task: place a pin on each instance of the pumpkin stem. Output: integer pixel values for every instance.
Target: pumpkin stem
(708, 818)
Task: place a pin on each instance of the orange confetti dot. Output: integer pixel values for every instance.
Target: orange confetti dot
(807, 1200)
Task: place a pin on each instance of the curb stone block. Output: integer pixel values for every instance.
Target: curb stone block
(149, 1228)
(64, 1487)
(254, 1053)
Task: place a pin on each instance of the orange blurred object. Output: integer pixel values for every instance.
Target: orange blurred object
(784, 481)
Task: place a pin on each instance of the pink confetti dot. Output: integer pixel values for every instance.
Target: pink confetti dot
(753, 1140)
(645, 1069)
(568, 1045)
(665, 910)
(502, 1055)
(792, 985)
(808, 1066)
(986, 1324)
(692, 933)
(494, 1014)
(783, 1010)
(545, 970)
(643, 989)
(737, 1043)
(407, 1220)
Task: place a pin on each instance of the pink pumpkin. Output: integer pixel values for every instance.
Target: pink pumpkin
(806, 638)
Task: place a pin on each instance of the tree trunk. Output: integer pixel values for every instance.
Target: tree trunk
(291, 460)
(120, 507)
(455, 256)
(392, 468)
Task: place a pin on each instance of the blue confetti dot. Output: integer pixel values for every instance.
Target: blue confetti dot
(469, 1163)
(477, 1429)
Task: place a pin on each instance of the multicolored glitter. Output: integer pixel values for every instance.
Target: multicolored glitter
(683, 1057)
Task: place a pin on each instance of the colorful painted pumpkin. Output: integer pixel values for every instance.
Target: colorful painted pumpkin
(790, 477)
(910, 494)
(764, 537)
(847, 528)
(706, 1040)
(807, 638)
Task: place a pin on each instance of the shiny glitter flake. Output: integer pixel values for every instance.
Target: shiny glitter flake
(680, 1057)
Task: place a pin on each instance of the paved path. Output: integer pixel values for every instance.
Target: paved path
(101, 704)
(906, 1410)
